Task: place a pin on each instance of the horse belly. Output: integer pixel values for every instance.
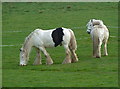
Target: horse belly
(48, 44)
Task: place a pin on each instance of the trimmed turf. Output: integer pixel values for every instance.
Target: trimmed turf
(87, 72)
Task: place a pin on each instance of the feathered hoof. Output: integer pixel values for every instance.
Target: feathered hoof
(98, 57)
(73, 61)
(105, 54)
(37, 63)
(22, 64)
(66, 62)
(49, 63)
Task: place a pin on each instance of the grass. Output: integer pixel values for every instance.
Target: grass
(87, 72)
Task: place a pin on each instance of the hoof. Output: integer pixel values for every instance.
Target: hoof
(66, 62)
(22, 64)
(105, 54)
(98, 57)
(73, 61)
(37, 63)
(49, 63)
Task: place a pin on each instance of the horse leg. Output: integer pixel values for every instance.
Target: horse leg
(38, 57)
(94, 48)
(105, 48)
(74, 56)
(49, 59)
(68, 55)
(98, 55)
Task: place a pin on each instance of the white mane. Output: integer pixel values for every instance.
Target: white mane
(97, 22)
(27, 39)
(27, 44)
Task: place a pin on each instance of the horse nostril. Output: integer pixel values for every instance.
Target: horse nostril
(88, 32)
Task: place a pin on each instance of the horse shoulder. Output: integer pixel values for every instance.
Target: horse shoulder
(46, 38)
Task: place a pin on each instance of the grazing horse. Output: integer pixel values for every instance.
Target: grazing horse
(41, 39)
(99, 34)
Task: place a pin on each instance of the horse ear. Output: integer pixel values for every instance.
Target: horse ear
(91, 20)
(20, 49)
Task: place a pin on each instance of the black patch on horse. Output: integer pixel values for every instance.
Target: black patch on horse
(57, 36)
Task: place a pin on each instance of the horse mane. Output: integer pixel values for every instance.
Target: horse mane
(27, 39)
(96, 23)
(99, 23)
(27, 44)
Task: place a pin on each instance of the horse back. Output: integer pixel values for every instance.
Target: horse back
(100, 33)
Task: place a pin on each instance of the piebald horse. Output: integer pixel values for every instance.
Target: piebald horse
(42, 39)
(99, 34)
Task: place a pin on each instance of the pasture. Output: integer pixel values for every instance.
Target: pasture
(19, 19)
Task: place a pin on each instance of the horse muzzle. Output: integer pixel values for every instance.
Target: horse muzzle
(88, 32)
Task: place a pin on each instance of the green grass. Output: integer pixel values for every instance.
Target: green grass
(87, 72)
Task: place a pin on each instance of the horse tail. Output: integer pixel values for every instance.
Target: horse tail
(73, 43)
(96, 41)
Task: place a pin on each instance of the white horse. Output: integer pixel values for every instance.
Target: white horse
(99, 34)
(41, 39)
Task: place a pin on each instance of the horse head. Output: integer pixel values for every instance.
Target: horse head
(89, 26)
(23, 57)
(92, 23)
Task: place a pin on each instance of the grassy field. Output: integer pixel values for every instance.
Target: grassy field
(19, 19)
